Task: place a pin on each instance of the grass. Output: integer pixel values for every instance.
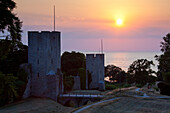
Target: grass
(111, 86)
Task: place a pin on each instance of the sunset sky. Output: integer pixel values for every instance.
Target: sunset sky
(84, 23)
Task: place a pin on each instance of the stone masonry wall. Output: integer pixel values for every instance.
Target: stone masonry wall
(44, 56)
(95, 65)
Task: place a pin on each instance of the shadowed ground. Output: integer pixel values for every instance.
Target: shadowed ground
(36, 105)
(126, 103)
(131, 105)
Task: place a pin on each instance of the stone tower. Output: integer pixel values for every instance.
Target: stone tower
(44, 56)
(95, 66)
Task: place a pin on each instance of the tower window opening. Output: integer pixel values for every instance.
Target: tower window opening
(38, 75)
(38, 61)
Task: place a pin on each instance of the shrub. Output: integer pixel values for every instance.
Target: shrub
(157, 89)
(82, 73)
(139, 85)
(126, 85)
(110, 86)
(164, 88)
(68, 83)
(166, 77)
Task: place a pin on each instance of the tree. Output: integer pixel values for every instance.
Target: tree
(82, 74)
(140, 72)
(7, 88)
(11, 48)
(165, 44)
(164, 66)
(9, 21)
(115, 73)
(68, 82)
(72, 62)
(11, 58)
(164, 59)
(12, 54)
(166, 78)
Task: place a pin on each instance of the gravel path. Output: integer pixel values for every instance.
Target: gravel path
(130, 105)
(36, 105)
(88, 106)
(136, 104)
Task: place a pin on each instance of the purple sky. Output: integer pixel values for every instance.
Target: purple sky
(84, 23)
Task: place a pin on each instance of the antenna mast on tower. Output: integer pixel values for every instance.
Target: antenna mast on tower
(102, 46)
(54, 17)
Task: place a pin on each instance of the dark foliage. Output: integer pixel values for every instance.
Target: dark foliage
(164, 66)
(140, 72)
(7, 88)
(109, 86)
(68, 83)
(82, 73)
(115, 73)
(10, 58)
(13, 80)
(12, 54)
(164, 59)
(72, 62)
(164, 88)
(9, 21)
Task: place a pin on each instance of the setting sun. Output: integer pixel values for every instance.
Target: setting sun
(119, 22)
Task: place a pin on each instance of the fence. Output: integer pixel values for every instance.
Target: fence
(82, 94)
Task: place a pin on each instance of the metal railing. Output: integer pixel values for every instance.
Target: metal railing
(82, 94)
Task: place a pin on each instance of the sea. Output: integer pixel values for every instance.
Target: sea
(124, 59)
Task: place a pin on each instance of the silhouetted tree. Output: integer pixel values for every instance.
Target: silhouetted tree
(8, 89)
(12, 54)
(164, 66)
(68, 82)
(10, 59)
(140, 72)
(115, 73)
(164, 59)
(82, 74)
(72, 62)
(9, 21)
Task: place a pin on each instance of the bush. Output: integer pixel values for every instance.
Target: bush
(68, 83)
(82, 73)
(166, 77)
(8, 89)
(110, 86)
(139, 85)
(126, 85)
(155, 88)
(164, 88)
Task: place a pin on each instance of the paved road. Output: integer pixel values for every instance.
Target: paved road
(115, 98)
(86, 107)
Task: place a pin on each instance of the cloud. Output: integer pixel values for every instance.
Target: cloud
(87, 38)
